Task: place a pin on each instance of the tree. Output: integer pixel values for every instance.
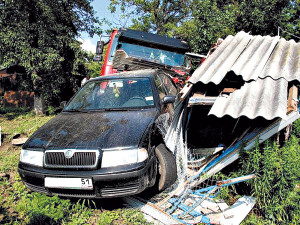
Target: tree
(202, 22)
(260, 17)
(93, 68)
(210, 21)
(219, 18)
(290, 20)
(159, 16)
(41, 37)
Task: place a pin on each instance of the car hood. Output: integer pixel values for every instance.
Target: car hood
(105, 129)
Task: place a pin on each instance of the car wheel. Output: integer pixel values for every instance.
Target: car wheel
(167, 170)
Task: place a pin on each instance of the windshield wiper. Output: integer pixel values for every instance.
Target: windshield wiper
(76, 110)
(115, 109)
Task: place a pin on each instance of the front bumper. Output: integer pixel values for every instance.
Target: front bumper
(123, 181)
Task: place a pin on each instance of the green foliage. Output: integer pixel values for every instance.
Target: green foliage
(39, 209)
(94, 68)
(202, 22)
(209, 23)
(159, 16)
(219, 18)
(126, 216)
(296, 128)
(9, 111)
(9, 162)
(51, 110)
(21, 122)
(277, 187)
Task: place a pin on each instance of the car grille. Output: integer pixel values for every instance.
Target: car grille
(78, 159)
(73, 193)
(36, 188)
(119, 191)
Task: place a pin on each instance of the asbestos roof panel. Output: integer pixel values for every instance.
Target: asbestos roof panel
(252, 61)
(265, 97)
(251, 57)
(284, 61)
(222, 59)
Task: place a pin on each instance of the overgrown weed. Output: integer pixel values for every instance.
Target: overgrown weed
(25, 123)
(275, 189)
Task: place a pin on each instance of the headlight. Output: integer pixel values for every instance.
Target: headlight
(32, 157)
(120, 157)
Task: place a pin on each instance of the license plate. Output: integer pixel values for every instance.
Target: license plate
(69, 183)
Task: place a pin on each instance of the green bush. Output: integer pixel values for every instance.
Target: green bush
(124, 216)
(37, 208)
(277, 187)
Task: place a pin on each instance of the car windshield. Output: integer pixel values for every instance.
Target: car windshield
(153, 54)
(113, 94)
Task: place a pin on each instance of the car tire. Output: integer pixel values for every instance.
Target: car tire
(167, 170)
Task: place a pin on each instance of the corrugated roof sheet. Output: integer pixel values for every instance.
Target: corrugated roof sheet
(251, 57)
(264, 97)
(220, 62)
(265, 63)
(284, 61)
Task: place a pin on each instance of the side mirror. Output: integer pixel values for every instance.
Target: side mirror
(63, 104)
(99, 47)
(99, 51)
(97, 58)
(168, 99)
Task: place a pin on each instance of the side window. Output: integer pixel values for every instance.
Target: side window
(160, 87)
(169, 85)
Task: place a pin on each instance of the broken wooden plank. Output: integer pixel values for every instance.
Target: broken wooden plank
(235, 180)
(292, 99)
(238, 211)
(200, 99)
(206, 151)
(19, 141)
(151, 210)
(185, 91)
(228, 90)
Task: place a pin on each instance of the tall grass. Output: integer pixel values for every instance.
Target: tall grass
(276, 189)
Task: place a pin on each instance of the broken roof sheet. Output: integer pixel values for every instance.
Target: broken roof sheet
(264, 97)
(251, 57)
(265, 63)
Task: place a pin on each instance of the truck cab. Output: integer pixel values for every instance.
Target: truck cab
(132, 50)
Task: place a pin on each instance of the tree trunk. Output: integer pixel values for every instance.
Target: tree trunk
(39, 105)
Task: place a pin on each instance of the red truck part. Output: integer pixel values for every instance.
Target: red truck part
(152, 50)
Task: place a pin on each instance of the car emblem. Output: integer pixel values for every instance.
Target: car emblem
(69, 154)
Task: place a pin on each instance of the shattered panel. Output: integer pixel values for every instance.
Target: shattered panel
(252, 61)
(265, 97)
(220, 62)
(251, 57)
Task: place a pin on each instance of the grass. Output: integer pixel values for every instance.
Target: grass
(277, 186)
(21, 206)
(25, 123)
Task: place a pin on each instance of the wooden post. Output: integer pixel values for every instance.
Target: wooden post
(292, 99)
